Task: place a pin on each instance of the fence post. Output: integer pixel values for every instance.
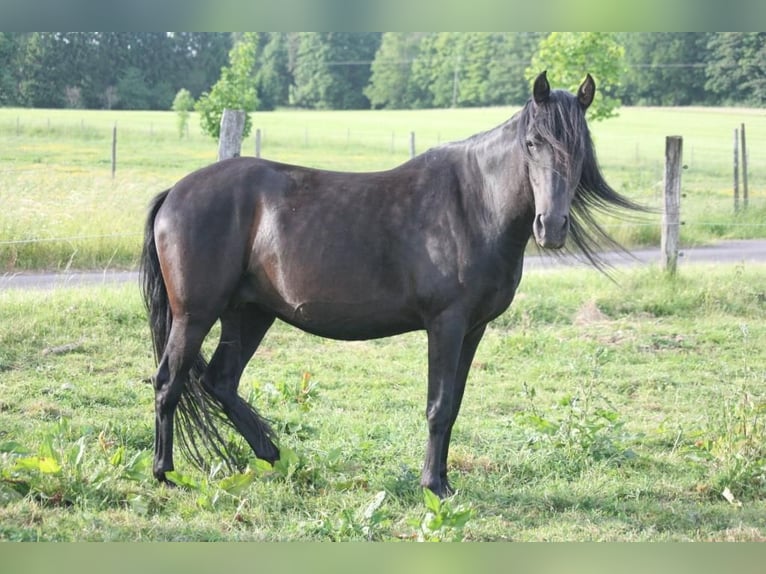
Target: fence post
(258, 142)
(232, 126)
(744, 167)
(671, 216)
(412, 144)
(736, 171)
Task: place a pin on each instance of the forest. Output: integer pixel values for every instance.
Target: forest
(395, 70)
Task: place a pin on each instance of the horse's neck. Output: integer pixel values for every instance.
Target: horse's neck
(502, 189)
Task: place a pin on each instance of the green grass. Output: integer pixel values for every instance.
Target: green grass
(595, 411)
(62, 209)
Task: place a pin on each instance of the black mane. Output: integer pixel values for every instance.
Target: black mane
(560, 122)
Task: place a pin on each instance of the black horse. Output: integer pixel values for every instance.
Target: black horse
(436, 244)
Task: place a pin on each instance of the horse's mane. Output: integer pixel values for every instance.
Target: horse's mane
(560, 122)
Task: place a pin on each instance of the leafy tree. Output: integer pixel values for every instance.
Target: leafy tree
(456, 68)
(423, 71)
(235, 89)
(664, 68)
(198, 59)
(41, 84)
(313, 80)
(109, 63)
(132, 89)
(332, 69)
(273, 77)
(736, 71)
(56, 69)
(390, 85)
(433, 71)
(568, 56)
(510, 56)
(9, 48)
(183, 104)
(470, 82)
(445, 57)
(471, 69)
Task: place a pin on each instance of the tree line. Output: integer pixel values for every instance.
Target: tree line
(338, 70)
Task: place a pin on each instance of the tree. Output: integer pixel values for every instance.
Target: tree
(423, 71)
(183, 103)
(332, 69)
(389, 85)
(235, 89)
(736, 71)
(568, 56)
(197, 60)
(471, 69)
(664, 68)
(58, 69)
(9, 48)
(511, 54)
(132, 89)
(273, 78)
(42, 84)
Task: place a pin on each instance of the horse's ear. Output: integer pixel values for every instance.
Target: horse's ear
(586, 92)
(542, 89)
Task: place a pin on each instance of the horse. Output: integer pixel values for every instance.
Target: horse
(435, 244)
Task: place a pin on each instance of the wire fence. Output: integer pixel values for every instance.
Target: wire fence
(634, 161)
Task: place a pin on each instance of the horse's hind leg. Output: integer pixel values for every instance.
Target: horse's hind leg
(242, 330)
(184, 342)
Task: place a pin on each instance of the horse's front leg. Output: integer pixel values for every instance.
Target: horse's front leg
(445, 340)
(467, 352)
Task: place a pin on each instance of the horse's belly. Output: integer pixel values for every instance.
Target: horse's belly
(352, 320)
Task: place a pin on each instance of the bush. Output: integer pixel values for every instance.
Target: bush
(183, 104)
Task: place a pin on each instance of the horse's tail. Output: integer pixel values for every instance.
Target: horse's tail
(152, 284)
(198, 413)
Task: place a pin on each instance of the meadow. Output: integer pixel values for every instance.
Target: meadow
(629, 409)
(62, 209)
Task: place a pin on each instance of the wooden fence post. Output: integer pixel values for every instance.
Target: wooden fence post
(671, 216)
(230, 140)
(412, 144)
(258, 142)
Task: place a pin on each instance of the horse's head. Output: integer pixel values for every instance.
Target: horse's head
(554, 137)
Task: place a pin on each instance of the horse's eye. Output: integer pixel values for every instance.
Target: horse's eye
(530, 145)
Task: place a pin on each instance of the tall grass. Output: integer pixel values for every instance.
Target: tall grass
(61, 208)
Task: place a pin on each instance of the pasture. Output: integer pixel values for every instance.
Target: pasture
(596, 410)
(62, 209)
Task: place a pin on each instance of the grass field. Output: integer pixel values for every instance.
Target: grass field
(596, 410)
(62, 209)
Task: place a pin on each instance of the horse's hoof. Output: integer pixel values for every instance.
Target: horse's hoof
(163, 479)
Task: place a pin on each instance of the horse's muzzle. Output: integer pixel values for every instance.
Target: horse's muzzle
(551, 230)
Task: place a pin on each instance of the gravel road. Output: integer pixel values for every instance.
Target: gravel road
(724, 252)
